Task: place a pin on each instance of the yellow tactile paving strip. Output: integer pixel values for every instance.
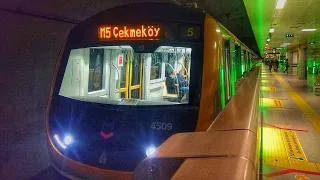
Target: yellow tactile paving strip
(272, 102)
(293, 146)
(313, 117)
(266, 88)
(304, 165)
(281, 148)
(276, 152)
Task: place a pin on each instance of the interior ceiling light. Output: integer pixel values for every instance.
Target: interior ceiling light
(280, 4)
(308, 29)
(271, 30)
(285, 44)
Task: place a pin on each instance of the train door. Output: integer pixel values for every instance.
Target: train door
(238, 61)
(135, 76)
(249, 61)
(245, 62)
(227, 67)
(131, 75)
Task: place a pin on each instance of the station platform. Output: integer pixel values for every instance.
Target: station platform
(290, 127)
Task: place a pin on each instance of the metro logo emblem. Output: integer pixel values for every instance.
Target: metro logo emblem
(142, 32)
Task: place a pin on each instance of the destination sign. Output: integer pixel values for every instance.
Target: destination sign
(140, 32)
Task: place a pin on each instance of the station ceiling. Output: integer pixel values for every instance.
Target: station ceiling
(231, 13)
(291, 19)
(260, 15)
(295, 16)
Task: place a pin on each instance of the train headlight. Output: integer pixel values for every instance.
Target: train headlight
(67, 140)
(150, 151)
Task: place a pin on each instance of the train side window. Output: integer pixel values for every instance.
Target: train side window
(95, 69)
(156, 66)
(169, 64)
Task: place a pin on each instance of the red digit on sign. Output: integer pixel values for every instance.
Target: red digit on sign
(120, 60)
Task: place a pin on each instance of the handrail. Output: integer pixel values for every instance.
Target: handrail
(229, 149)
(118, 84)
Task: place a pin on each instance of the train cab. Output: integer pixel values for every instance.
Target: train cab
(130, 77)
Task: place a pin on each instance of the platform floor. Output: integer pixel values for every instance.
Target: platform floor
(290, 127)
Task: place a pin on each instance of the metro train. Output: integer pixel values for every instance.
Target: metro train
(130, 77)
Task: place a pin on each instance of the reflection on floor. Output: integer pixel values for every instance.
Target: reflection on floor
(291, 128)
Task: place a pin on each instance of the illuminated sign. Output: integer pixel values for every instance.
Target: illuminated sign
(190, 32)
(289, 35)
(143, 32)
(120, 60)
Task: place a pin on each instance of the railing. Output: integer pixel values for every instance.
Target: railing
(229, 149)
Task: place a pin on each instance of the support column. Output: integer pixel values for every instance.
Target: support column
(302, 64)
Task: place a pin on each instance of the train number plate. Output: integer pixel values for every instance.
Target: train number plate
(161, 126)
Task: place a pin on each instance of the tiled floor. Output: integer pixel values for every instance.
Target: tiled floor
(291, 128)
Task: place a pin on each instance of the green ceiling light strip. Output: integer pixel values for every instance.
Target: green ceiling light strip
(260, 27)
(260, 16)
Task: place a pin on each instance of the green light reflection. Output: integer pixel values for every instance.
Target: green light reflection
(223, 96)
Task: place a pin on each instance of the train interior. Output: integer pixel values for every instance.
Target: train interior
(118, 75)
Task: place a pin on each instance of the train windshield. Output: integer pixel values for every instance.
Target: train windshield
(118, 75)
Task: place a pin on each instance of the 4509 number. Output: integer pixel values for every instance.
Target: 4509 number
(161, 126)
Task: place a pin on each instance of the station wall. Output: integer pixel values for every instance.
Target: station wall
(29, 47)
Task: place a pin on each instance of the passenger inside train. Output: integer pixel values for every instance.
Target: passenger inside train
(183, 85)
(114, 74)
(171, 82)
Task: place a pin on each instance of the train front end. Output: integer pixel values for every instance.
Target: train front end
(128, 78)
